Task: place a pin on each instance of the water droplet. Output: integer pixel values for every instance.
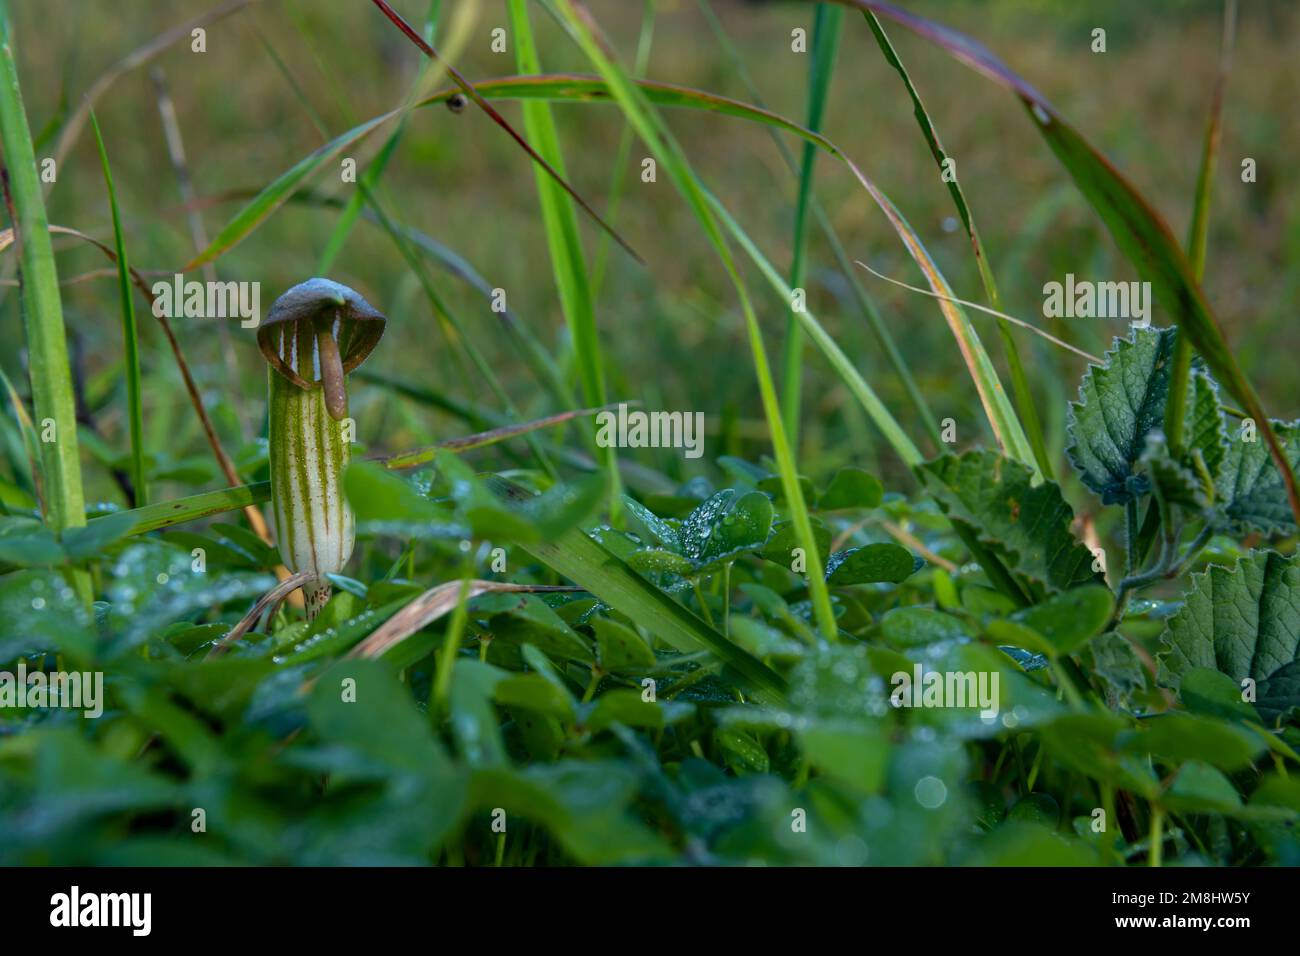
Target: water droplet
(38, 603)
(930, 792)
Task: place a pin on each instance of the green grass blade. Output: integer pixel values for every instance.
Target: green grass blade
(1137, 228)
(863, 392)
(568, 260)
(47, 345)
(1006, 427)
(574, 555)
(826, 41)
(130, 334)
(279, 190)
(356, 202)
(864, 301)
(164, 514)
(617, 179)
(1198, 232)
(636, 107)
(1019, 382)
(469, 90)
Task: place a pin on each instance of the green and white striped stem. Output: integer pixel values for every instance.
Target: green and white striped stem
(313, 523)
(313, 336)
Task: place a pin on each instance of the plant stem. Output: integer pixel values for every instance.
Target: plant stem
(447, 656)
(1156, 851)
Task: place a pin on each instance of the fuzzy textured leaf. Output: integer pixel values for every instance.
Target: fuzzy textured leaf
(1243, 622)
(1026, 526)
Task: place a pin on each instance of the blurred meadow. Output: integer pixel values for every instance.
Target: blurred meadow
(280, 78)
(650, 655)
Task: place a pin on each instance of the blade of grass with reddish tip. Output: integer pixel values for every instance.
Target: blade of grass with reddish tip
(468, 89)
(1137, 228)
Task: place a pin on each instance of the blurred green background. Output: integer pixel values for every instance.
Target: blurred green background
(671, 331)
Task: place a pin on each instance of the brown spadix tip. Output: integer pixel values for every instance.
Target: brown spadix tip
(318, 332)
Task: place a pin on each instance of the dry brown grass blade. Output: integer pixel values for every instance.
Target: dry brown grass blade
(421, 456)
(433, 604)
(273, 596)
(1029, 326)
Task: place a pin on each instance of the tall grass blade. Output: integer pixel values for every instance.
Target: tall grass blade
(568, 261)
(130, 333)
(868, 306)
(355, 203)
(47, 346)
(871, 403)
(636, 107)
(625, 141)
(1006, 427)
(1019, 382)
(1137, 228)
(826, 41)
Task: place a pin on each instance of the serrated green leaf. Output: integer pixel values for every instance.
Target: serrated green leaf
(1250, 487)
(1120, 402)
(1026, 526)
(1206, 428)
(1176, 482)
(1243, 622)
